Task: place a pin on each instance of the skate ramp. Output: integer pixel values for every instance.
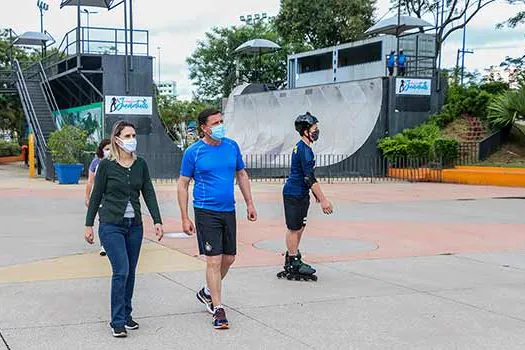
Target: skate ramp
(263, 123)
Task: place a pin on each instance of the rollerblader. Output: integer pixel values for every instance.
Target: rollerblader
(296, 195)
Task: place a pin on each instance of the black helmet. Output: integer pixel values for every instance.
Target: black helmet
(304, 122)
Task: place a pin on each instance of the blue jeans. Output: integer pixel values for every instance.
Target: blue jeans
(122, 244)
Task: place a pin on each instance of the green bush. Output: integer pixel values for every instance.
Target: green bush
(394, 147)
(495, 87)
(67, 144)
(446, 150)
(427, 130)
(8, 149)
(419, 149)
(460, 101)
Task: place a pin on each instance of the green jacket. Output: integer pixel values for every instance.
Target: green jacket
(115, 186)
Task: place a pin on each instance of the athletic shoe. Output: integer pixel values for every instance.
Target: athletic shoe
(119, 332)
(132, 325)
(102, 251)
(206, 300)
(219, 319)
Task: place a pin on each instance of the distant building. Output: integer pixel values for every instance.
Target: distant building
(168, 88)
(359, 60)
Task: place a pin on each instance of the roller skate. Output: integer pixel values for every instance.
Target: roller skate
(296, 269)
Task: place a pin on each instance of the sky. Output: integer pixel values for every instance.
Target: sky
(177, 25)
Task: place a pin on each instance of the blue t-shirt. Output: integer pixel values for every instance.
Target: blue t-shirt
(303, 163)
(94, 164)
(401, 60)
(213, 168)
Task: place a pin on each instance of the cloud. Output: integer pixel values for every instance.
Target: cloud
(177, 25)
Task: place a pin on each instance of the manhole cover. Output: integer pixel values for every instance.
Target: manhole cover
(320, 245)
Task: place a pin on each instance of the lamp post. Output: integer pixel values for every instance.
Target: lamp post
(158, 64)
(42, 7)
(253, 19)
(87, 12)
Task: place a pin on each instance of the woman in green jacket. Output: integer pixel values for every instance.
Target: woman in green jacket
(118, 184)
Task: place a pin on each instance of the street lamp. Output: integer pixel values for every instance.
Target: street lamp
(43, 7)
(253, 19)
(87, 12)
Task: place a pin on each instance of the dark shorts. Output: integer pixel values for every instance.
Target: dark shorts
(296, 211)
(216, 232)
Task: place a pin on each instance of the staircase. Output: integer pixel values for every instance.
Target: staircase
(37, 98)
(41, 107)
(475, 131)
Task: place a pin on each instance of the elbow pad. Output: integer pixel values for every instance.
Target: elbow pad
(310, 180)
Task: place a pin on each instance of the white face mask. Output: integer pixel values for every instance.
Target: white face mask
(107, 153)
(129, 146)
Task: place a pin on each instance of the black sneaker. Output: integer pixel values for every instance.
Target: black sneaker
(132, 325)
(119, 332)
(206, 300)
(219, 319)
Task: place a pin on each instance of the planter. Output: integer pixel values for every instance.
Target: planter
(68, 174)
(11, 159)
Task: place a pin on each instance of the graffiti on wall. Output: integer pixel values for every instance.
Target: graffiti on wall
(88, 118)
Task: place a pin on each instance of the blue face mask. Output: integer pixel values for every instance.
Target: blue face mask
(218, 132)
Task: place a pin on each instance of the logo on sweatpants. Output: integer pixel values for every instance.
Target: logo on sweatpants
(208, 247)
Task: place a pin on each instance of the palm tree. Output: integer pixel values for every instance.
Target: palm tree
(508, 108)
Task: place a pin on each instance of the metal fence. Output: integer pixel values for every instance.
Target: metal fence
(165, 167)
(492, 143)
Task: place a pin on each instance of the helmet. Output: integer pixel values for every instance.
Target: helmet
(304, 122)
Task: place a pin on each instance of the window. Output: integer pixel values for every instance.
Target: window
(315, 63)
(360, 54)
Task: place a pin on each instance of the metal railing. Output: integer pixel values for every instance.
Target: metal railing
(415, 66)
(329, 168)
(30, 113)
(7, 79)
(50, 97)
(100, 40)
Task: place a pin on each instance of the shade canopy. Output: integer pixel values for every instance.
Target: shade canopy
(32, 39)
(107, 4)
(258, 46)
(396, 26)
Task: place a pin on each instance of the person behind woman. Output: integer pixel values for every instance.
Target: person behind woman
(103, 151)
(118, 184)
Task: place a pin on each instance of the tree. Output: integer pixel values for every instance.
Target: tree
(324, 23)
(449, 15)
(214, 65)
(515, 20)
(176, 114)
(508, 108)
(11, 113)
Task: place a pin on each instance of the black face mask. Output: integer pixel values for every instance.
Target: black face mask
(314, 136)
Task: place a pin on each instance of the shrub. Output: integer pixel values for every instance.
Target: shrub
(9, 149)
(447, 150)
(429, 131)
(419, 149)
(67, 144)
(394, 147)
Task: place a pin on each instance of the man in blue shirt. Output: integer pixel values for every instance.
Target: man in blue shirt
(390, 62)
(213, 163)
(296, 195)
(401, 63)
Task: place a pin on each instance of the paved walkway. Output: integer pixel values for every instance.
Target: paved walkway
(400, 266)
